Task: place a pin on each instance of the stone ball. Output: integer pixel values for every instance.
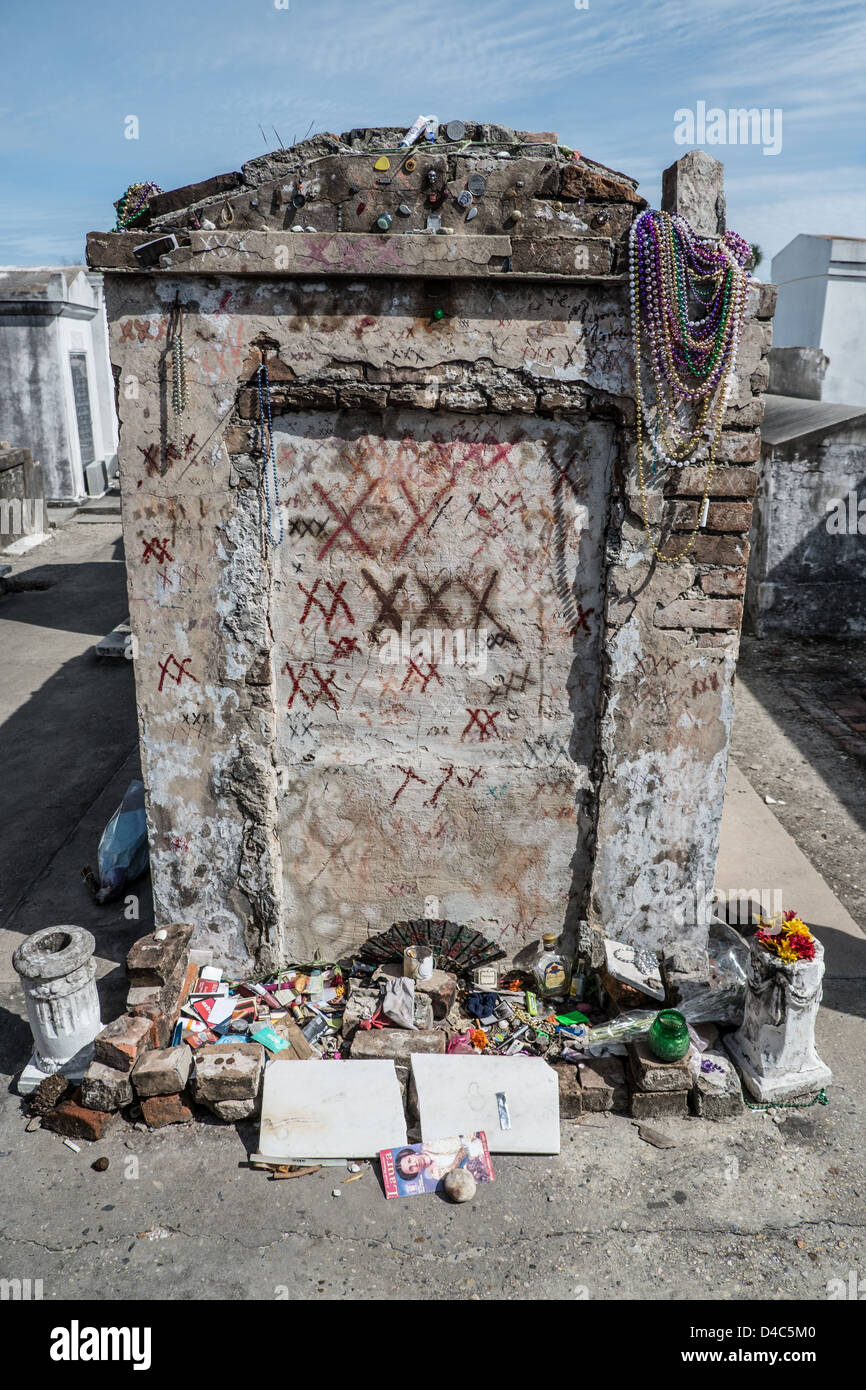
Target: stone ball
(460, 1185)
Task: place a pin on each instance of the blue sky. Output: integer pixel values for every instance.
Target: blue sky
(201, 75)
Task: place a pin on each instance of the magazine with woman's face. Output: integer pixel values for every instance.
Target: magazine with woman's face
(422, 1167)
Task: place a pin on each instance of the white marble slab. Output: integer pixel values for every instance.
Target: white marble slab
(458, 1095)
(330, 1110)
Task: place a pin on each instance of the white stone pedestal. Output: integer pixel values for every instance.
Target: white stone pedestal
(58, 975)
(775, 1047)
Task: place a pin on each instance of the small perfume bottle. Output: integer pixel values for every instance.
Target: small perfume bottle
(551, 968)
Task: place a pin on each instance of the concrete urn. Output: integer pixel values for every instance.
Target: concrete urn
(774, 1048)
(58, 975)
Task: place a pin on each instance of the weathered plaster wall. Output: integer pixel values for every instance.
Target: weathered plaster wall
(402, 779)
(300, 791)
(246, 773)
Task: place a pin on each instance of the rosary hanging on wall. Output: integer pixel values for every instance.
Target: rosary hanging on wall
(674, 274)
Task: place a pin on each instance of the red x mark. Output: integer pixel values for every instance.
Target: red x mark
(296, 684)
(337, 601)
(181, 670)
(157, 548)
(420, 517)
(324, 682)
(500, 452)
(582, 615)
(410, 776)
(486, 721)
(449, 773)
(416, 671)
(344, 519)
(344, 648)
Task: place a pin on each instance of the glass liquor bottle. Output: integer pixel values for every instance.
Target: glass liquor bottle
(550, 968)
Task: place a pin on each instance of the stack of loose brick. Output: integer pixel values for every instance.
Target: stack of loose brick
(160, 978)
(717, 1094)
(160, 1079)
(592, 1087)
(649, 1089)
(662, 1089)
(658, 1089)
(229, 1077)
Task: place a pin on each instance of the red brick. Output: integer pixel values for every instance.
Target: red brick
(711, 550)
(570, 1091)
(724, 583)
(164, 1071)
(74, 1121)
(745, 416)
(161, 1024)
(121, 1042)
(716, 615)
(363, 397)
(726, 482)
(159, 1111)
(764, 299)
(659, 1105)
(721, 516)
(190, 977)
(729, 516)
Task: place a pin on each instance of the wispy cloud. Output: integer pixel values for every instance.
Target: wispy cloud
(202, 75)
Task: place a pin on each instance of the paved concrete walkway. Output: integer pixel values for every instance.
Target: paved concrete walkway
(767, 1206)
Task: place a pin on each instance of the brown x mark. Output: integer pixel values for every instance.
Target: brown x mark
(386, 600)
(481, 602)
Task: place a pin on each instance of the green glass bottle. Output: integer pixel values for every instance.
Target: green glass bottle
(668, 1037)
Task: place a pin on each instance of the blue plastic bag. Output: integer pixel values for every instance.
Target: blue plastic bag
(123, 852)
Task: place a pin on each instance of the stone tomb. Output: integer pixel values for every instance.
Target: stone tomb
(453, 448)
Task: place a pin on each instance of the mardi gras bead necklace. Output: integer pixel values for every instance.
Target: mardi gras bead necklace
(133, 204)
(179, 394)
(675, 274)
